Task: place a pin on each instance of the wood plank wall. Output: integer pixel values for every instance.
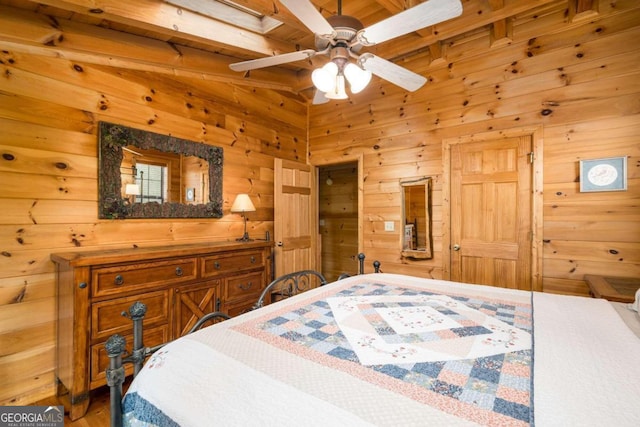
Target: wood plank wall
(49, 111)
(577, 78)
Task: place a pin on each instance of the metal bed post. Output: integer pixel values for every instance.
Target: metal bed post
(115, 347)
(361, 261)
(115, 377)
(136, 314)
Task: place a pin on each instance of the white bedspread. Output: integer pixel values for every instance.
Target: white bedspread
(586, 373)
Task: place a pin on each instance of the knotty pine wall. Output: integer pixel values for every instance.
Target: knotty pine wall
(49, 114)
(579, 80)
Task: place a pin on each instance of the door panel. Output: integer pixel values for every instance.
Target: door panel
(295, 225)
(491, 212)
(192, 302)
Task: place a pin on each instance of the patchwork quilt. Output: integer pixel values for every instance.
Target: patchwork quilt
(461, 352)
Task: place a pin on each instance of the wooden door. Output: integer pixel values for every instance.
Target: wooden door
(295, 211)
(491, 212)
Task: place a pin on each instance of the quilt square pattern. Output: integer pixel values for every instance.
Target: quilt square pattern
(474, 352)
(386, 329)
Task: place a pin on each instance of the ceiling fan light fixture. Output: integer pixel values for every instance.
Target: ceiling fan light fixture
(357, 77)
(341, 37)
(325, 78)
(338, 92)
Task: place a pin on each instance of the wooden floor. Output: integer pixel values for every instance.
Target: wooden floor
(96, 416)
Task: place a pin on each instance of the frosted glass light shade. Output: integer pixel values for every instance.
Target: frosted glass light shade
(325, 78)
(339, 91)
(357, 77)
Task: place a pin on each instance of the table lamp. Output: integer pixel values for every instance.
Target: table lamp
(243, 204)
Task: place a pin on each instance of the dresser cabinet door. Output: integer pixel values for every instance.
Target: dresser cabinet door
(192, 302)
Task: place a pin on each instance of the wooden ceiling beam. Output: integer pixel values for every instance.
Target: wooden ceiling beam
(173, 21)
(30, 32)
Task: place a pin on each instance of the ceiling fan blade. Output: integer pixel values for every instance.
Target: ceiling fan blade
(391, 72)
(272, 60)
(307, 13)
(423, 15)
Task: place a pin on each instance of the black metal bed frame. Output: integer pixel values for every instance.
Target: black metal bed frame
(282, 287)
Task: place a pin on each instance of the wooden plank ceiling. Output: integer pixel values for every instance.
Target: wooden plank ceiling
(170, 37)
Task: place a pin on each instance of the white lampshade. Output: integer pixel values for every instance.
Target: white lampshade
(242, 203)
(132, 189)
(357, 77)
(325, 78)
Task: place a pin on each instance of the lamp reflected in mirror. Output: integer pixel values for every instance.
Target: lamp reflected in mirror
(243, 204)
(132, 191)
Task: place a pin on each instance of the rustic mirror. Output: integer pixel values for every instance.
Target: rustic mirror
(416, 214)
(148, 175)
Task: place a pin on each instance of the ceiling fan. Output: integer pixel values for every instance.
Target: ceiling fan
(341, 37)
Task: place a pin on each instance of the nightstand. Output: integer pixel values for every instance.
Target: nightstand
(621, 289)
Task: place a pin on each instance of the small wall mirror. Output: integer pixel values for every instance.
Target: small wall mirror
(416, 214)
(149, 175)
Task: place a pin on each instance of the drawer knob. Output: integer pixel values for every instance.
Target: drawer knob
(179, 271)
(216, 265)
(119, 280)
(245, 287)
(82, 285)
(253, 260)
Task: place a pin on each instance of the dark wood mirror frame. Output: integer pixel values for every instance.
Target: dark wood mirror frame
(112, 138)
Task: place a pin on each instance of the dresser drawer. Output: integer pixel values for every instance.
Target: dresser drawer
(231, 263)
(245, 286)
(136, 277)
(100, 359)
(107, 318)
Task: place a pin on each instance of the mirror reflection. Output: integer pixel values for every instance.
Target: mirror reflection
(151, 176)
(416, 204)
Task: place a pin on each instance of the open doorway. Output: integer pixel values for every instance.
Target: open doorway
(338, 219)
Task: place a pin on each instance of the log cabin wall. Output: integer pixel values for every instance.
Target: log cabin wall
(49, 114)
(576, 76)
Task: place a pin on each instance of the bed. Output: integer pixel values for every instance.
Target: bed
(393, 350)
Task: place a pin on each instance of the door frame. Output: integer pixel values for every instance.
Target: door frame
(535, 132)
(351, 158)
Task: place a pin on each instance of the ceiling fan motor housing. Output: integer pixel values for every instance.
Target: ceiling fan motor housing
(346, 28)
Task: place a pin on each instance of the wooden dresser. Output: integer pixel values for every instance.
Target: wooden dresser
(178, 284)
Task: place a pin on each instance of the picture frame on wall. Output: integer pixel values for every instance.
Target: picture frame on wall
(609, 174)
(190, 194)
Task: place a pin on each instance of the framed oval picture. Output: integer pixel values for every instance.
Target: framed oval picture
(608, 174)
